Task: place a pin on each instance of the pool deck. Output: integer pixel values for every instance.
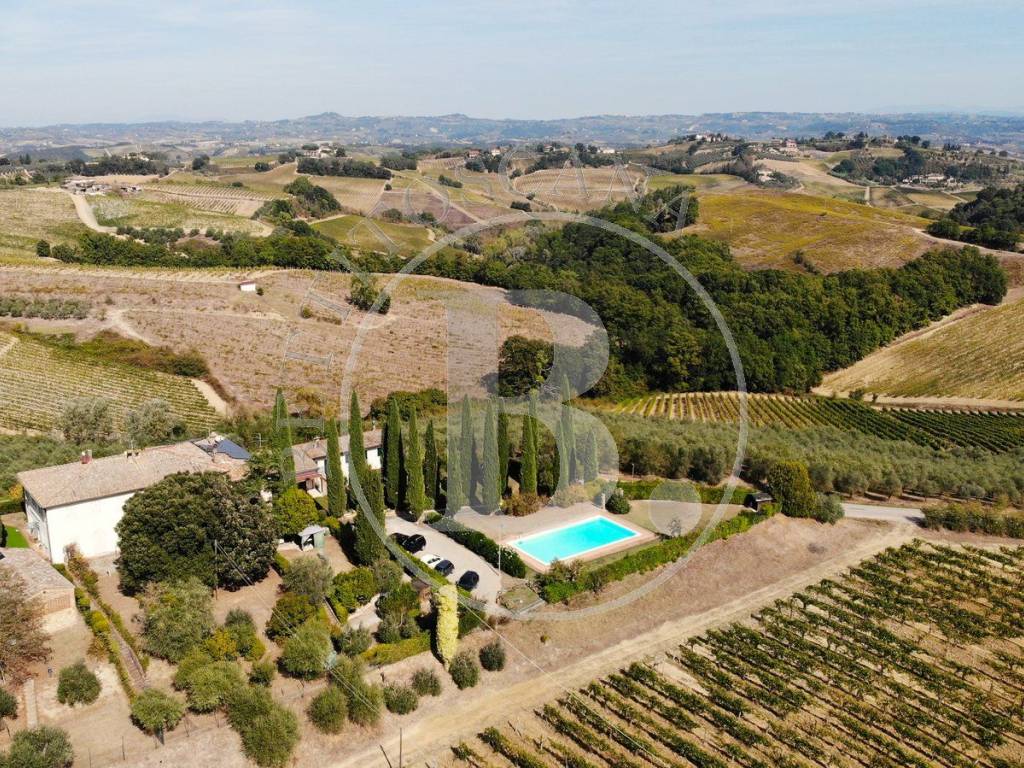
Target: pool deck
(506, 529)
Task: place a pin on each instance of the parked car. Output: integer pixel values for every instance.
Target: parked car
(430, 560)
(469, 580)
(410, 543)
(445, 567)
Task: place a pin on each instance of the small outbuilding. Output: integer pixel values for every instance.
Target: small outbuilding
(757, 499)
(248, 286)
(54, 593)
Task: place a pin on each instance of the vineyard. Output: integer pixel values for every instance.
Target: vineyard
(914, 658)
(935, 429)
(217, 198)
(39, 380)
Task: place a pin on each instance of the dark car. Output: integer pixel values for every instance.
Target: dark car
(445, 567)
(469, 580)
(413, 543)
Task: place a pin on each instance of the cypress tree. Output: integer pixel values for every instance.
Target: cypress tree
(534, 408)
(392, 455)
(528, 467)
(414, 468)
(455, 492)
(357, 466)
(592, 461)
(564, 454)
(504, 451)
(431, 468)
(336, 501)
(369, 547)
(490, 495)
(281, 441)
(568, 436)
(466, 452)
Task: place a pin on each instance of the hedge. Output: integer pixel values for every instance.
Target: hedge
(977, 519)
(484, 546)
(390, 653)
(646, 559)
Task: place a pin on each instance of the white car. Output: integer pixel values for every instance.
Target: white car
(429, 560)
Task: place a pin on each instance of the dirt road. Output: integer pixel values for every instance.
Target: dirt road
(87, 216)
(911, 515)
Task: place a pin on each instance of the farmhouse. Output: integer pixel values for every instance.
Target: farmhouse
(54, 594)
(311, 460)
(81, 503)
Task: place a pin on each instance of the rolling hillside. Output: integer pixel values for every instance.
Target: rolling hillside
(979, 355)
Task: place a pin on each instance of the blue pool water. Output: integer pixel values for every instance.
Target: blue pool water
(573, 540)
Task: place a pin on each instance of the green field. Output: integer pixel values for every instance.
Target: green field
(909, 659)
(935, 429)
(39, 380)
(374, 235)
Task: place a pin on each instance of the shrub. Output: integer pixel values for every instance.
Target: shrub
(221, 645)
(8, 706)
(522, 504)
(262, 673)
(492, 656)
(328, 710)
(290, 612)
(446, 626)
(209, 687)
(305, 653)
(242, 628)
(354, 588)
(178, 617)
(269, 732)
(617, 503)
(365, 701)
(400, 699)
(43, 747)
(77, 685)
(310, 577)
(355, 642)
(294, 509)
(426, 682)
(464, 670)
(155, 711)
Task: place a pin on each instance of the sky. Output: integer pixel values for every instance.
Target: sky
(134, 61)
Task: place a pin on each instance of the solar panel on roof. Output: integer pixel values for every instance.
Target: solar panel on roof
(233, 449)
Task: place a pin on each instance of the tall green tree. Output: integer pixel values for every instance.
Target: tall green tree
(534, 410)
(455, 491)
(490, 493)
(337, 502)
(431, 467)
(417, 495)
(368, 545)
(528, 465)
(393, 455)
(504, 450)
(356, 447)
(282, 440)
(466, 452)
(591, 458)
(568, 471)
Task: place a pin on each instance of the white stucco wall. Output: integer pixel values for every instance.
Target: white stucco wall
(88, 525)
(372, 461)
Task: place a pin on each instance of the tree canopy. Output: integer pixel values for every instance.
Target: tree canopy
(199, 525)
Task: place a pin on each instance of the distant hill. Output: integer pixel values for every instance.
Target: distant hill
(997, 131)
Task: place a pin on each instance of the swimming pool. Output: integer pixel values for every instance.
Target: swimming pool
(573, 540)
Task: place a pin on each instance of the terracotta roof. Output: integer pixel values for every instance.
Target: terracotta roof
(307, 454)
(123, 473)
(37, 574)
